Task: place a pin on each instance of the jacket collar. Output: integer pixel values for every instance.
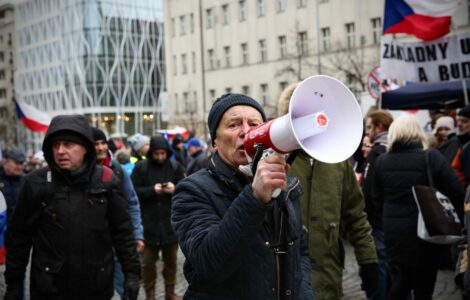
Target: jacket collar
(233, 179)
(400, 146)
(381, 139)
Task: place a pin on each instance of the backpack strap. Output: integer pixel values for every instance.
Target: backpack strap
(107, 175)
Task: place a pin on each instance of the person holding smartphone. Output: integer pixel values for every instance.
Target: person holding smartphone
(154, 180)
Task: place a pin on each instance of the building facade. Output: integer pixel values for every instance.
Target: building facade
(258, 47)
(104, 59)
(8, 132)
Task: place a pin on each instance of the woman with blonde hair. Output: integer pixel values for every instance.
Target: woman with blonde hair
(396, 171)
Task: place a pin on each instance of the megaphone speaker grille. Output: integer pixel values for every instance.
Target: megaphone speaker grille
(343, 133)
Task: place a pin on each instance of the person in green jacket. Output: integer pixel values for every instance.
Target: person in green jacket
(332, 209)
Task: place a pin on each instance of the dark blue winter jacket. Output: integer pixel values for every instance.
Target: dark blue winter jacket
(225, 235)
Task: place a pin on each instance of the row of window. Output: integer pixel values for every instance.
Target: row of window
(301, 48)
(225, 14)
(213, 63)
(188, 104)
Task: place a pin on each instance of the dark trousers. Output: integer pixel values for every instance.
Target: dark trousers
(149, 268)
(417, 279)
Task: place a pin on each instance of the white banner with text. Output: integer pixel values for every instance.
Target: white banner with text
(444, 59)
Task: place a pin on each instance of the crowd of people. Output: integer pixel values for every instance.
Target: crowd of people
(92, 215)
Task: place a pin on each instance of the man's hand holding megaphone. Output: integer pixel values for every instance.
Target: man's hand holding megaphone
(270, 175)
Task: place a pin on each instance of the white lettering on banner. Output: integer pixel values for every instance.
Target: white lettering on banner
(443, 59)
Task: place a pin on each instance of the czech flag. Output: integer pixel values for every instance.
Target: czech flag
(3, 225)
(425, 19)
(33, 119)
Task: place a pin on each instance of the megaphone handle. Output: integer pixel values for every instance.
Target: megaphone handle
(259, 153)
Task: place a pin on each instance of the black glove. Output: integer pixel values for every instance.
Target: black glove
(370, 278)
(131, 286)
(14, 292)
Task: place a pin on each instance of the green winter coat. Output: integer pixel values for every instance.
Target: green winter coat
(332, 209)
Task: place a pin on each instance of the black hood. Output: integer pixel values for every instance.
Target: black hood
(158, 142)
(76, 124)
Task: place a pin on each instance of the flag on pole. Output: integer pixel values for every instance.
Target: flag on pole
(32, 118)
(425, 19)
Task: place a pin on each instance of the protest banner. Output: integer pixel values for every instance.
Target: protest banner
(444, 59)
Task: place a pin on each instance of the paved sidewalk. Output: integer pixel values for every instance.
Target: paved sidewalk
(445, 286)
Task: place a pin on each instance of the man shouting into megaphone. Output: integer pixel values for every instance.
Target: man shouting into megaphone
(239, 242)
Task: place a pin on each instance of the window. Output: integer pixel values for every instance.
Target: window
(303, 43)
(244, 49)
(184, 64)
(350, 35)
(302, 3)
(174, 65)
(212, 94)
(182, 25)
(242, 6)
(173, 27)
(2, 75)
(193, 61)
(376, 30)
(191, 22)
(245, 90)
(261, 8)
(3, 93)
(195, 97)
(209, 18)
(186, 101)
(228, 90)
(227, 56)
(264, 93)
(325, 39)
(282, 46)
(210, 55)
(225, 14)
(263, 51)
(281, 5)
(282, 85)
(177, 110)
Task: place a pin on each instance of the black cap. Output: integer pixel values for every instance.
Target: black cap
(223, 103)
(98, 134)
(71, 136)
(464, 112)
(15, 154)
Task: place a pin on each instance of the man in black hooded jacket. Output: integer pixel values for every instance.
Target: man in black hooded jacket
(154, 180)
(71, 214)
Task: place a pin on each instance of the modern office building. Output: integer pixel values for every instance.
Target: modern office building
(100, 58)
(8, 132)
(258, 47)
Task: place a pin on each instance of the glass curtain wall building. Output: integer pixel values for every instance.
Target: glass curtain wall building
(101, 58)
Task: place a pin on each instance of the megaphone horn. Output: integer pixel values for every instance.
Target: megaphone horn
(324, 120)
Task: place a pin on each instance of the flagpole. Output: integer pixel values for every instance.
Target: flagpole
(465, 93)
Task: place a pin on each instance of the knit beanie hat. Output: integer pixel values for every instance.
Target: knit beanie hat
(445, 121)
(223, 103)
(98, 134)
(71, 136)
(464, 112)
(137, 141)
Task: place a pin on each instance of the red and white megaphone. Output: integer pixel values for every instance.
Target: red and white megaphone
(324, 120)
